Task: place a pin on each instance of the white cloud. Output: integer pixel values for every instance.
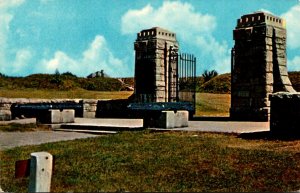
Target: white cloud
(218, 51)
(266, 11)
(294, 64)
(6, 4)
(21, 62)
(176, 16)
(5, 18)
(191, 26)
(97, 57)
(293, 26)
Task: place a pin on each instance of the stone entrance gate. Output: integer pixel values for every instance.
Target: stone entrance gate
(162, 74)
(258, 65)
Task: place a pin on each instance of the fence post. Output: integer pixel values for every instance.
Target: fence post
(40, 172)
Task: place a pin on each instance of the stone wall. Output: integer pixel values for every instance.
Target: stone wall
(88, 110)
(258, 65)
(285, 113)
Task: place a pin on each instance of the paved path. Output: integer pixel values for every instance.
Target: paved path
(227, 126)
(14, 139)
(20, 121)
(207, 126)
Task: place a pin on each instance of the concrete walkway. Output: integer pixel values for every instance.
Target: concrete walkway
(227, 126)
(206, 126)
(14, 139)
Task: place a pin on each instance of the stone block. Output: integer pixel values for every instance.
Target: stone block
(89, 114)
(54, 116)
(269, 56)
(5, 106)
(281, 61)
(269, 67)
(285, 112)
(167, 119)
(280, 33)
(5, 115)
(268, 41)
(181, 119)
(281, 53)
(41, 167)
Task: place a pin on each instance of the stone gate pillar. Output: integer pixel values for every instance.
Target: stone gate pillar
(258, 65)
(154, 71)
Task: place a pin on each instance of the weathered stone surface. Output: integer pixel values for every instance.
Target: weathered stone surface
(54, 116)
(259, 65)
(89, 114)
(152, 48)
(89, 101)
(167, 120)
(285, 112)
(5, 115)
(41, 167)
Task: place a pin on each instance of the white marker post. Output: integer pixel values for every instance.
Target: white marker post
(41, 164)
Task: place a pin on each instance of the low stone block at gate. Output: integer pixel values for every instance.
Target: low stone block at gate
(55, 116)
(285, 113)
(167, 119)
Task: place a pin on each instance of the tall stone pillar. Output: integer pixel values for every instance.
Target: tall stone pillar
(155, 71)
(258, 65)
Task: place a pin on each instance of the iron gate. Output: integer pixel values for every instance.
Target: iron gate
(182, 86)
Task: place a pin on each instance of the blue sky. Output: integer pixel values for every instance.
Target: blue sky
(84, 36)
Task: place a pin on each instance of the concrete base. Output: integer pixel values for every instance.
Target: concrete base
(54, 116)
(167, 120)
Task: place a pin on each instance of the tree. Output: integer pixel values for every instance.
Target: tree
(207, 75)
(2, 75)
(102, 73)
(57, 73)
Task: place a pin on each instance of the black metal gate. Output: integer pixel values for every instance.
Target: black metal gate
(187, 78)
(182, 82)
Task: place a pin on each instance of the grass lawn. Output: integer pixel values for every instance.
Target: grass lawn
(17, 127)
(71, 94)
(208, 104)
(181, 161)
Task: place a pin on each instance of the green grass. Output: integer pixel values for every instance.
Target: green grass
(71, 94)
(13, 127)
(208, 104)
(182, 161)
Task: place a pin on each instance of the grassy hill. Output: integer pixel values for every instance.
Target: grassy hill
(65, 82)
(220, 84)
